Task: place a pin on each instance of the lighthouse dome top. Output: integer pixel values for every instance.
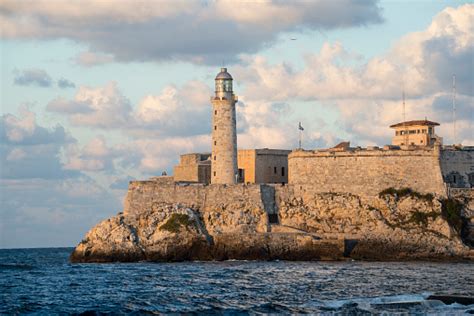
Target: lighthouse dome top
(223, 74)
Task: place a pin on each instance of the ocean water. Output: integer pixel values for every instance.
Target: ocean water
(42, 281)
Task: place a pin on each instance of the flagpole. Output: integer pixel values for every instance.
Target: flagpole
(300, 128)
(299, 139)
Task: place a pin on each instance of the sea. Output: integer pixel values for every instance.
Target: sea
(44, 282)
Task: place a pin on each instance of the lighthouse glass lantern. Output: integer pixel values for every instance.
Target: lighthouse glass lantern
(223, 84)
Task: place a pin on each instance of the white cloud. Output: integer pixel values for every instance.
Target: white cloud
(28, 150)
(192, 31)
(103, 107)
(94, 156)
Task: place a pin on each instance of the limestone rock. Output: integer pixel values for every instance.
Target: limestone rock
(317, 226)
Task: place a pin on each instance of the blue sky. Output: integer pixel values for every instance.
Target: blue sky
(96, 94)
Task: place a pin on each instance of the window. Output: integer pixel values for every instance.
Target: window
(421, 141)
(418, 131)
(228, 85)
(430, 130)
(215, 143)
(215, 112)
(274, 170)
(219, 85)
(215, 157)
(282, 171)
(214, 173)
(215, 127)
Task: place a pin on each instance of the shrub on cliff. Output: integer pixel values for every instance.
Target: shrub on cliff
(175, 222)
(399, 193)
(421, 218)
(451, 212)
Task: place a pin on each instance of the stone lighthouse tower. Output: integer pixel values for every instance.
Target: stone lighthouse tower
(224, 134)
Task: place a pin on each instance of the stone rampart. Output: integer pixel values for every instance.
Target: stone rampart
(366, 172)
(143, 195)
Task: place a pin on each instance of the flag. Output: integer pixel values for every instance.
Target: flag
(300, 127)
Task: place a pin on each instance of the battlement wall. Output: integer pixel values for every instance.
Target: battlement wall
(144, 195)
(367, 172)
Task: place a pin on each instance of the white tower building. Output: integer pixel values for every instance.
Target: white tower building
(224, 133)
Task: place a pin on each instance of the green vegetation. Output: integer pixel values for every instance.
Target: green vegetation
(403, 192)
(451, 212)
(175, 222)
(421, 218)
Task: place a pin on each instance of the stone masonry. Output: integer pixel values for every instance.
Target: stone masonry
(224, 133)
(367, 172)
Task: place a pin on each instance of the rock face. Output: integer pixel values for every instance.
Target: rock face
(396, 225)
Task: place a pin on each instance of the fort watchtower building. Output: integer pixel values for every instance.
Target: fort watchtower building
(224, 133)
(419, 133)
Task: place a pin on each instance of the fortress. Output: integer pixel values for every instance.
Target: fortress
(413, 199)
(416, 159)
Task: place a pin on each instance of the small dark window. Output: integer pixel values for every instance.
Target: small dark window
(215, 127)
(215, 157)
(215, 143)
(214, 173)
(274, 170)
(215, 112)
(282, 171)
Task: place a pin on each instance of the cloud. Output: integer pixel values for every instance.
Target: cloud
(37, 77)
(200, 32)
(174, 111)
(368, 96)
(64, 84)
(24, 130)
(94, 156)
(103, 107)
(51, 212)
(28, 150)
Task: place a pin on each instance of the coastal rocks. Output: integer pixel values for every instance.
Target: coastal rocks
(396, 225)
(165, 233)
(389, 227)
(235, 218)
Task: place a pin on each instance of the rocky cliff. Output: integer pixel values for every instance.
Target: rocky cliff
(396, 225)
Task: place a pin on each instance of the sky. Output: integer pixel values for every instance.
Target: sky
(96, 93)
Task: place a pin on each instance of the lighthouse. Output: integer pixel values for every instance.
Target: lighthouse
(224, 134)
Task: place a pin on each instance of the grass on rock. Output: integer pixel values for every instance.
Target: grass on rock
(175, 222)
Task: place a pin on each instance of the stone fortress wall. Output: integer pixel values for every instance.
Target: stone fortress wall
(144, 195)
(362, 173)
(367, 172)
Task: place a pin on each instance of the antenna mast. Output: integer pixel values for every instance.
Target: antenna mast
(405, 132)
(454, 109)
